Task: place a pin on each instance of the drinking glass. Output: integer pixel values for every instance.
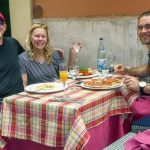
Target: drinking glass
(73, 72)
(63, 73)
(111, 62)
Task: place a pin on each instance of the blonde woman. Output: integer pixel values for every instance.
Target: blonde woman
(39, 63)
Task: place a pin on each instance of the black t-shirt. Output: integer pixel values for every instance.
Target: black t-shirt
(149, 60)
(10, 75)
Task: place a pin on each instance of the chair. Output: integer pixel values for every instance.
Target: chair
(141, 124)
(119, 144)
(137, 126)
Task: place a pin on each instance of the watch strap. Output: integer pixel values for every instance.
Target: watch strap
(142, 90)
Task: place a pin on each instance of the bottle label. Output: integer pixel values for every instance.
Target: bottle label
(101, 64)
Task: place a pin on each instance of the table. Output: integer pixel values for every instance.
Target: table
(61, 124)
(100, 137)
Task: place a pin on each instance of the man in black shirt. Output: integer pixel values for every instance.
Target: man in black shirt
(10, 76)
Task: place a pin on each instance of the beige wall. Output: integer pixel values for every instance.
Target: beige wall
(119, 33)
(20, 18)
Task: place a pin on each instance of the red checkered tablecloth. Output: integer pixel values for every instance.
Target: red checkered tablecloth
(44, 120)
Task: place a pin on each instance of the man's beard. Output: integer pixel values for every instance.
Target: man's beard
(145, 40)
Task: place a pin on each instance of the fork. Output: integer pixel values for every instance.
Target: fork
(24, 95)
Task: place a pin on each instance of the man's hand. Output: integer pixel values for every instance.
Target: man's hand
(132, 83)
(60, 52)
(119, 69)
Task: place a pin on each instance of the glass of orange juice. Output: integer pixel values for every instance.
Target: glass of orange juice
(63, 73)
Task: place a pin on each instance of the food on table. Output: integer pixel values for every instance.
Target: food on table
(44, 87)
(86, 71)
(103, 82)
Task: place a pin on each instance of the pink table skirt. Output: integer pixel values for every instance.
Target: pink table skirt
(100, 137)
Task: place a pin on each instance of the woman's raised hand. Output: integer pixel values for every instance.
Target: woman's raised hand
(76, 47)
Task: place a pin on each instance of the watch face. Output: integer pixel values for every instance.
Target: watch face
(142, 84)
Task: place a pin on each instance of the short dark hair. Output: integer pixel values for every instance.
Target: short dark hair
(146, 13)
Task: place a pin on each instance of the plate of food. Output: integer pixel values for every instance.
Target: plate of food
(102, 83)
(45, 87)
(85, 73)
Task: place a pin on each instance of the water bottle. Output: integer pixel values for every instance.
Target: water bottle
(101, 56)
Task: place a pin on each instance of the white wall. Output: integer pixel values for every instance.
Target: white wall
(20, 18)
(119, 33)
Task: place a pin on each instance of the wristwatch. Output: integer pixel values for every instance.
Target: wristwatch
(142, 85)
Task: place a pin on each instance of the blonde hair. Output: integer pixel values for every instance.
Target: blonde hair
(29, 47)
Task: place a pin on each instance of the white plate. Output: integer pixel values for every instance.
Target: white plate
(96, 88)
(101, 76)
(107, 76)
(86, 77)
(56, 86)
